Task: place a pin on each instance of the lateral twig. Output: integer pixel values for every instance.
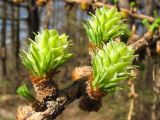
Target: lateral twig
(130, 13)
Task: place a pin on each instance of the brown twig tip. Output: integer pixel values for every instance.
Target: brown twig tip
(81, 72)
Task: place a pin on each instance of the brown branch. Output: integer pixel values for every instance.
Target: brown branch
(136, 15)
(147, 39)
(130, 13)
(55, 106)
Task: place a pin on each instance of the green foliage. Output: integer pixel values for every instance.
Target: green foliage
(24, 92)
(46, 53)
(132, 4)
(104, 26)
(115, 1)
(111, 65)
(155, 13)
(152, 27)
(146, 23)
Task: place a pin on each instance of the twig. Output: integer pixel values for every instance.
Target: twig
(147, 39)
(153, 114)
(131, 109)
(132, 85)
(55, 106)
(133, 95)
(99, 4)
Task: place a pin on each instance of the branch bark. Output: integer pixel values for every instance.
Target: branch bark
(55, 106)
(147, 39)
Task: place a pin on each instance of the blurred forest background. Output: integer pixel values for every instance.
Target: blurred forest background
(19, 19)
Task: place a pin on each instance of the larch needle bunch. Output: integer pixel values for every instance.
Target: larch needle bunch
(111, 62)
(46, 53)
(24, 91)
(105, 25)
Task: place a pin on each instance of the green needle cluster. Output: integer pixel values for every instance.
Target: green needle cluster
(152, 27)
(105, 25)
(46, 53)
(112, 64)
(24, 92)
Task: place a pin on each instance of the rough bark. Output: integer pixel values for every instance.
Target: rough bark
(56, 106)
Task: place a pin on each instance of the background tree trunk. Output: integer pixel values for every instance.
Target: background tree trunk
(13, 46)
(33, 18)
(17, 40)
(3, 41)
